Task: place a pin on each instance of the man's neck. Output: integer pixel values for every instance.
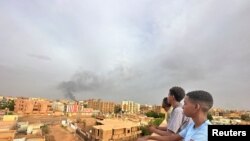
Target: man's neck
(199, 120)
(176, 104)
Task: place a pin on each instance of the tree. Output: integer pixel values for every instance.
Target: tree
(161, 115)
(245, 117)
(9, 104)
(156, 121)
(145, 130)
(85, 105)
(209, 116)
(3, 103)
(45, 129)
(155, 115)
(118, 109)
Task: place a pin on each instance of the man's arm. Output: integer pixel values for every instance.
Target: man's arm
(162, 128)
(173, 137)
(159, 132)
(145, 138)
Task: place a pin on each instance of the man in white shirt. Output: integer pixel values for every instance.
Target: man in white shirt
(196, 106)
(177, 120)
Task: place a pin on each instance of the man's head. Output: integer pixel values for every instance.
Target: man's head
(197, 101)
(176, 94)
(165, 105)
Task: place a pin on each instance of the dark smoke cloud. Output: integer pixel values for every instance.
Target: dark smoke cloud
(68, 88)
(83, 81)
(90, 84)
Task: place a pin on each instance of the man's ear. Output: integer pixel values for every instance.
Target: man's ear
(197, 106)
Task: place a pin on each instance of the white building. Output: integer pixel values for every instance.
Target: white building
(58, 106)
(130, 107)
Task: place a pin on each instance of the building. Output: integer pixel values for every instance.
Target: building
(7, 125)
(1, 98)
(7, 98)
(30, 138)
(145, 108)
(32, 106)
(34, 128)
(78, 109)
(115, 130)
(22, 126)
(58, 106)
(158, 109)
(72, 107)
(130, 107)
(103, 106)
(10, 117)
(7, 135)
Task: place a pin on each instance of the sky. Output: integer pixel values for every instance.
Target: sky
(126, 50)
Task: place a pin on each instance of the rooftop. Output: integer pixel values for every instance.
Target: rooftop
(109, 124)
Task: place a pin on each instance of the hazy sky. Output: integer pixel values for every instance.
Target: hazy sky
(126, 49)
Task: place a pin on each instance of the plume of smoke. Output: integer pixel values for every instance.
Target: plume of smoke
(115, 81)
(68, 87)
(83, 81)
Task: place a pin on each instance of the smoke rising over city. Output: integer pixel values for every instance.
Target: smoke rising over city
(84, 81)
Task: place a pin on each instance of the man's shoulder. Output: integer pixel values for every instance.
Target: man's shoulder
(178, 109)
(204, 127)
(208, 122)
(205, 124)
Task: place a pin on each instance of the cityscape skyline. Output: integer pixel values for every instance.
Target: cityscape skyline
(25, 118)
(117, 50)
(115, 102)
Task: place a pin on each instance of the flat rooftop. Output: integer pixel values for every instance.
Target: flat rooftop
(109, 124)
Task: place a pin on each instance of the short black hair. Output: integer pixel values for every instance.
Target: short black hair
(177, 92)
(165, 102)
(202, 97)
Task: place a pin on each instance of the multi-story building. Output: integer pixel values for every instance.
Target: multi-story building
(158, 109)
(72, 107)
(103, 106)
(7, 97)
(145, 108)
(78, 109)
(130, 107)
(115, 130)
(1, 98)
(29, 106)
(7, 135)
(58, 106)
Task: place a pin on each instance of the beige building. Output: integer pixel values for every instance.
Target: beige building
(7, 135)
(115, 130)
(7, 125)
(10, 117)
(32, 106)
(158, 109)
(29, 138)
(103, 106)
(145, 108)
(58, 106)
(130, 107)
